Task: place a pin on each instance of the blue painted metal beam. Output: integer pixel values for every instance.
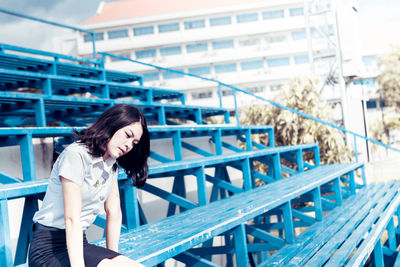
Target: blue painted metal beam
(264, 235)
(25, 233)
(180, 201)
(193, 260)
(7, 179)
(223, 184)
(5, 238)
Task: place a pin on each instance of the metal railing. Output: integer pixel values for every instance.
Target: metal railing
(13, 13)
(55, 56)
(236, 89)
(219, 84)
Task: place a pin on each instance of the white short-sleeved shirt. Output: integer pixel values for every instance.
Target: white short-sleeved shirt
(93, 174)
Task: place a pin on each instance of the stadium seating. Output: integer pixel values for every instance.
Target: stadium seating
(292, 218)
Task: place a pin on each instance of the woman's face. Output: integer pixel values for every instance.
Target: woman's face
(123, 140)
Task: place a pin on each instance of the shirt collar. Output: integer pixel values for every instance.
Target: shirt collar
(108, 163)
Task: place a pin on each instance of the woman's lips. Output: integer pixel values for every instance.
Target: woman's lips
(122, 151)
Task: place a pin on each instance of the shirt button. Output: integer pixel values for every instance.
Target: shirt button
(101, 198)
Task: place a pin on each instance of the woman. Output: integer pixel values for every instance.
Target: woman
(82, 181)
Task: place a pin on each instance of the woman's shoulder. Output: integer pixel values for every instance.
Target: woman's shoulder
(77, 148)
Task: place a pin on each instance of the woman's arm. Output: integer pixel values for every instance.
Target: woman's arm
(112, 207)
(72, 216)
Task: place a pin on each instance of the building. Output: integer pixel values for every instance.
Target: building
(256, 45)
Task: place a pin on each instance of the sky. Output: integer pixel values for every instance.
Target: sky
(374, 15)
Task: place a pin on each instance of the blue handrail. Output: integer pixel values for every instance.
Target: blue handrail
(13, 13)
(305, 115)
(55, 56)
(219, 83)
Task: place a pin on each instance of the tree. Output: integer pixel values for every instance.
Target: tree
(380, 127)
(389, 79)
(291, 129)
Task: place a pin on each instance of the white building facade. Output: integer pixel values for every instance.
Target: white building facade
(255, 45)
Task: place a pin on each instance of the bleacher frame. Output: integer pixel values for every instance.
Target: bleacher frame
(57, 78)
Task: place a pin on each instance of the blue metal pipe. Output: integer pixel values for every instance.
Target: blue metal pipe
(305, 115)
(13, 13)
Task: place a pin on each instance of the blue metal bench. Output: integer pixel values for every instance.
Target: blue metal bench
(349, 234)
(56, 84)
(18, 109)
(174, 237)
(58, 64)
(248, 211)
(155, 242)
(177, 136)
(35, 189)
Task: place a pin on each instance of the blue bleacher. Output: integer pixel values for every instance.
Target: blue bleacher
(304, 214)
(56, 77)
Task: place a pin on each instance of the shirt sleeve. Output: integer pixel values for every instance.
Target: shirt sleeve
(71, 166)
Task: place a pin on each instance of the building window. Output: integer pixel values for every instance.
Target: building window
(202, 95)
(273, 14)
(194, 24)
(98, 36)
(150, 76)
(172, 75)
(123, 54)
(370, 82)
(255, 89)
(145, 53)
(275, 38)
(299, 35)
(220, 21)
(227, 92)
(301, 59)
(331, 30)
(249, 17)
(118, 34)
(371, 104)
(170, 27)
(143, 30)
(296, 11)
(204, 70)
(278, 62)
(275, 87)
(222, 68)
(216, 45)
(249, 41)
(199, 47)
(172, 50)
(252, 65)
(369, 61)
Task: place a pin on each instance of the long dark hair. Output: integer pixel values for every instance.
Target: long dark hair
(99, 134)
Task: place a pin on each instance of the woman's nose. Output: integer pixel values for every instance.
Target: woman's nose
(128, 145)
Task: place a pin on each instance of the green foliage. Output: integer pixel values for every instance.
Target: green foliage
(389, 79)
(381, 127)
(291, 129)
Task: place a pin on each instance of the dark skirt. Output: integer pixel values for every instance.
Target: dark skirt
(49, 248)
